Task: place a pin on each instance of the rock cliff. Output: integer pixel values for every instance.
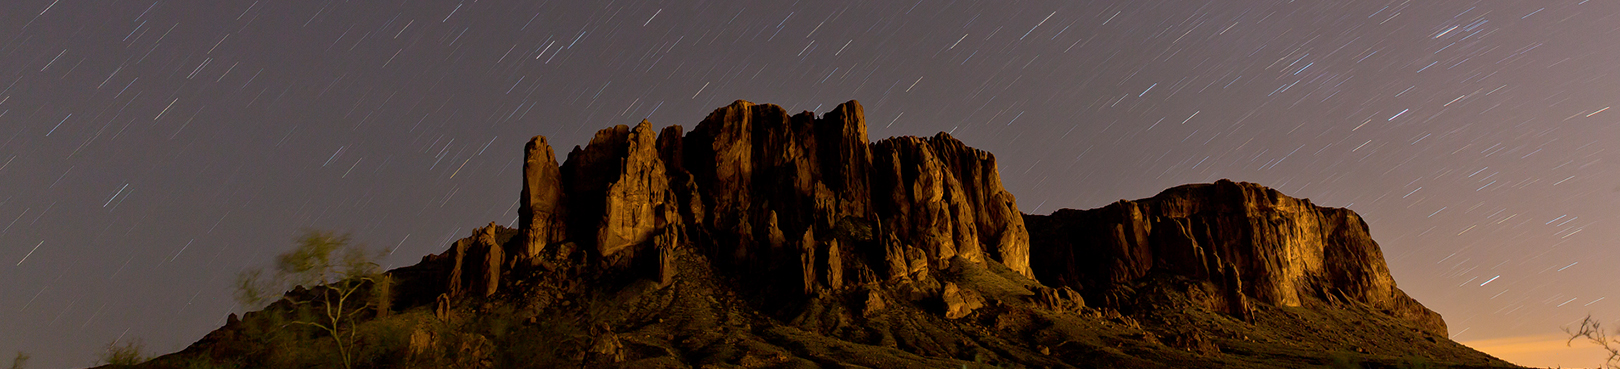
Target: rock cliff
(806, 203)
(1253, 242)
(764, 239)
(800, 199)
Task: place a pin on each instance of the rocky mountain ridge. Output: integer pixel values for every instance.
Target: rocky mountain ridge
(763, 239)
(765, 191)
(1251, 241)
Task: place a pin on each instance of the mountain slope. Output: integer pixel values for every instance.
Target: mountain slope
(763, 239)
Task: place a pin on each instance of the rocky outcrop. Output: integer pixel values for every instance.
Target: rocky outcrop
(945, 199)
(1251, 242)
(637, 203)
(799, 201)
(476, 262)
(960, 302)
(1061, 299)
(810, 201)
(806, 203)
(541, 215)
(763, 239)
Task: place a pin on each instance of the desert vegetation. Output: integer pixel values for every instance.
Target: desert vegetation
(1591, 330)
(128, 353)
(333, 280)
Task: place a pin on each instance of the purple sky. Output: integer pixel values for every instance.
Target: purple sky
(150, 150)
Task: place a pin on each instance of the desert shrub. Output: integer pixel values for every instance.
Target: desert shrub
(127, 354)
(205, 362)
(338, 274)
(1343, 360)
(545, 341)
(1415, 362)
(853, 229)
(385, 342)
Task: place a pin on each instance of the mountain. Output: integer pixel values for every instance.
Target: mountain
(763, 239)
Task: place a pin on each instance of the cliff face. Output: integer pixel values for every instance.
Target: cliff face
(807, 202)
(1252, 242)
(763, 239)
(801, 203)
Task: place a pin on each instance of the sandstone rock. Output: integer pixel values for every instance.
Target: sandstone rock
(897, 266)
(719, 155)
(749, 161)
(421, 342)
(458, 260)
(918, 260)
(999, 224)
(756, 165)
(807, 259)
(637, 203)
(1237, 303)
(620, 188)
(1061, 299)
(780, 196)
(666, 242)
(960, 302)
(946, 199)
(872, 303)
(476, 263)
(586, 176)
(803, 216)
(441, 307)
(689, 203)
(540, 216)
(924, 203)
(489, 279)
(846, 158)
(607, 348)
(832, 268)
(1254, 242)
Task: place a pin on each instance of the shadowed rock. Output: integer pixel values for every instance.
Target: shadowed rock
(764, 239)
(1254, 242)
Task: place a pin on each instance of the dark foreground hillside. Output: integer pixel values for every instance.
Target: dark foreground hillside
(764, 240)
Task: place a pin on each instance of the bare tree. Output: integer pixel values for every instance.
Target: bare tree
(1592, 330)
(335, 271)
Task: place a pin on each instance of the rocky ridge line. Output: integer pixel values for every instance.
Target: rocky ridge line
(764, 193)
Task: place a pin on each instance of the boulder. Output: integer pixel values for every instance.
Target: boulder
(1061, 299)
(476, 262)
(872, 303)
(959, 302)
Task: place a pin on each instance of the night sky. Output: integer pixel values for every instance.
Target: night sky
(151, 150)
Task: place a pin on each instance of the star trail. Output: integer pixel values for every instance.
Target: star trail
(150, 150)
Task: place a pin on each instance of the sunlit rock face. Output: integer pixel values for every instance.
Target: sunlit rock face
(773, 194)
(780, 190)
(946, 199)
(800, 203)
(1249, 240)
(476, 263)
(763, 230)
(541, 214)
